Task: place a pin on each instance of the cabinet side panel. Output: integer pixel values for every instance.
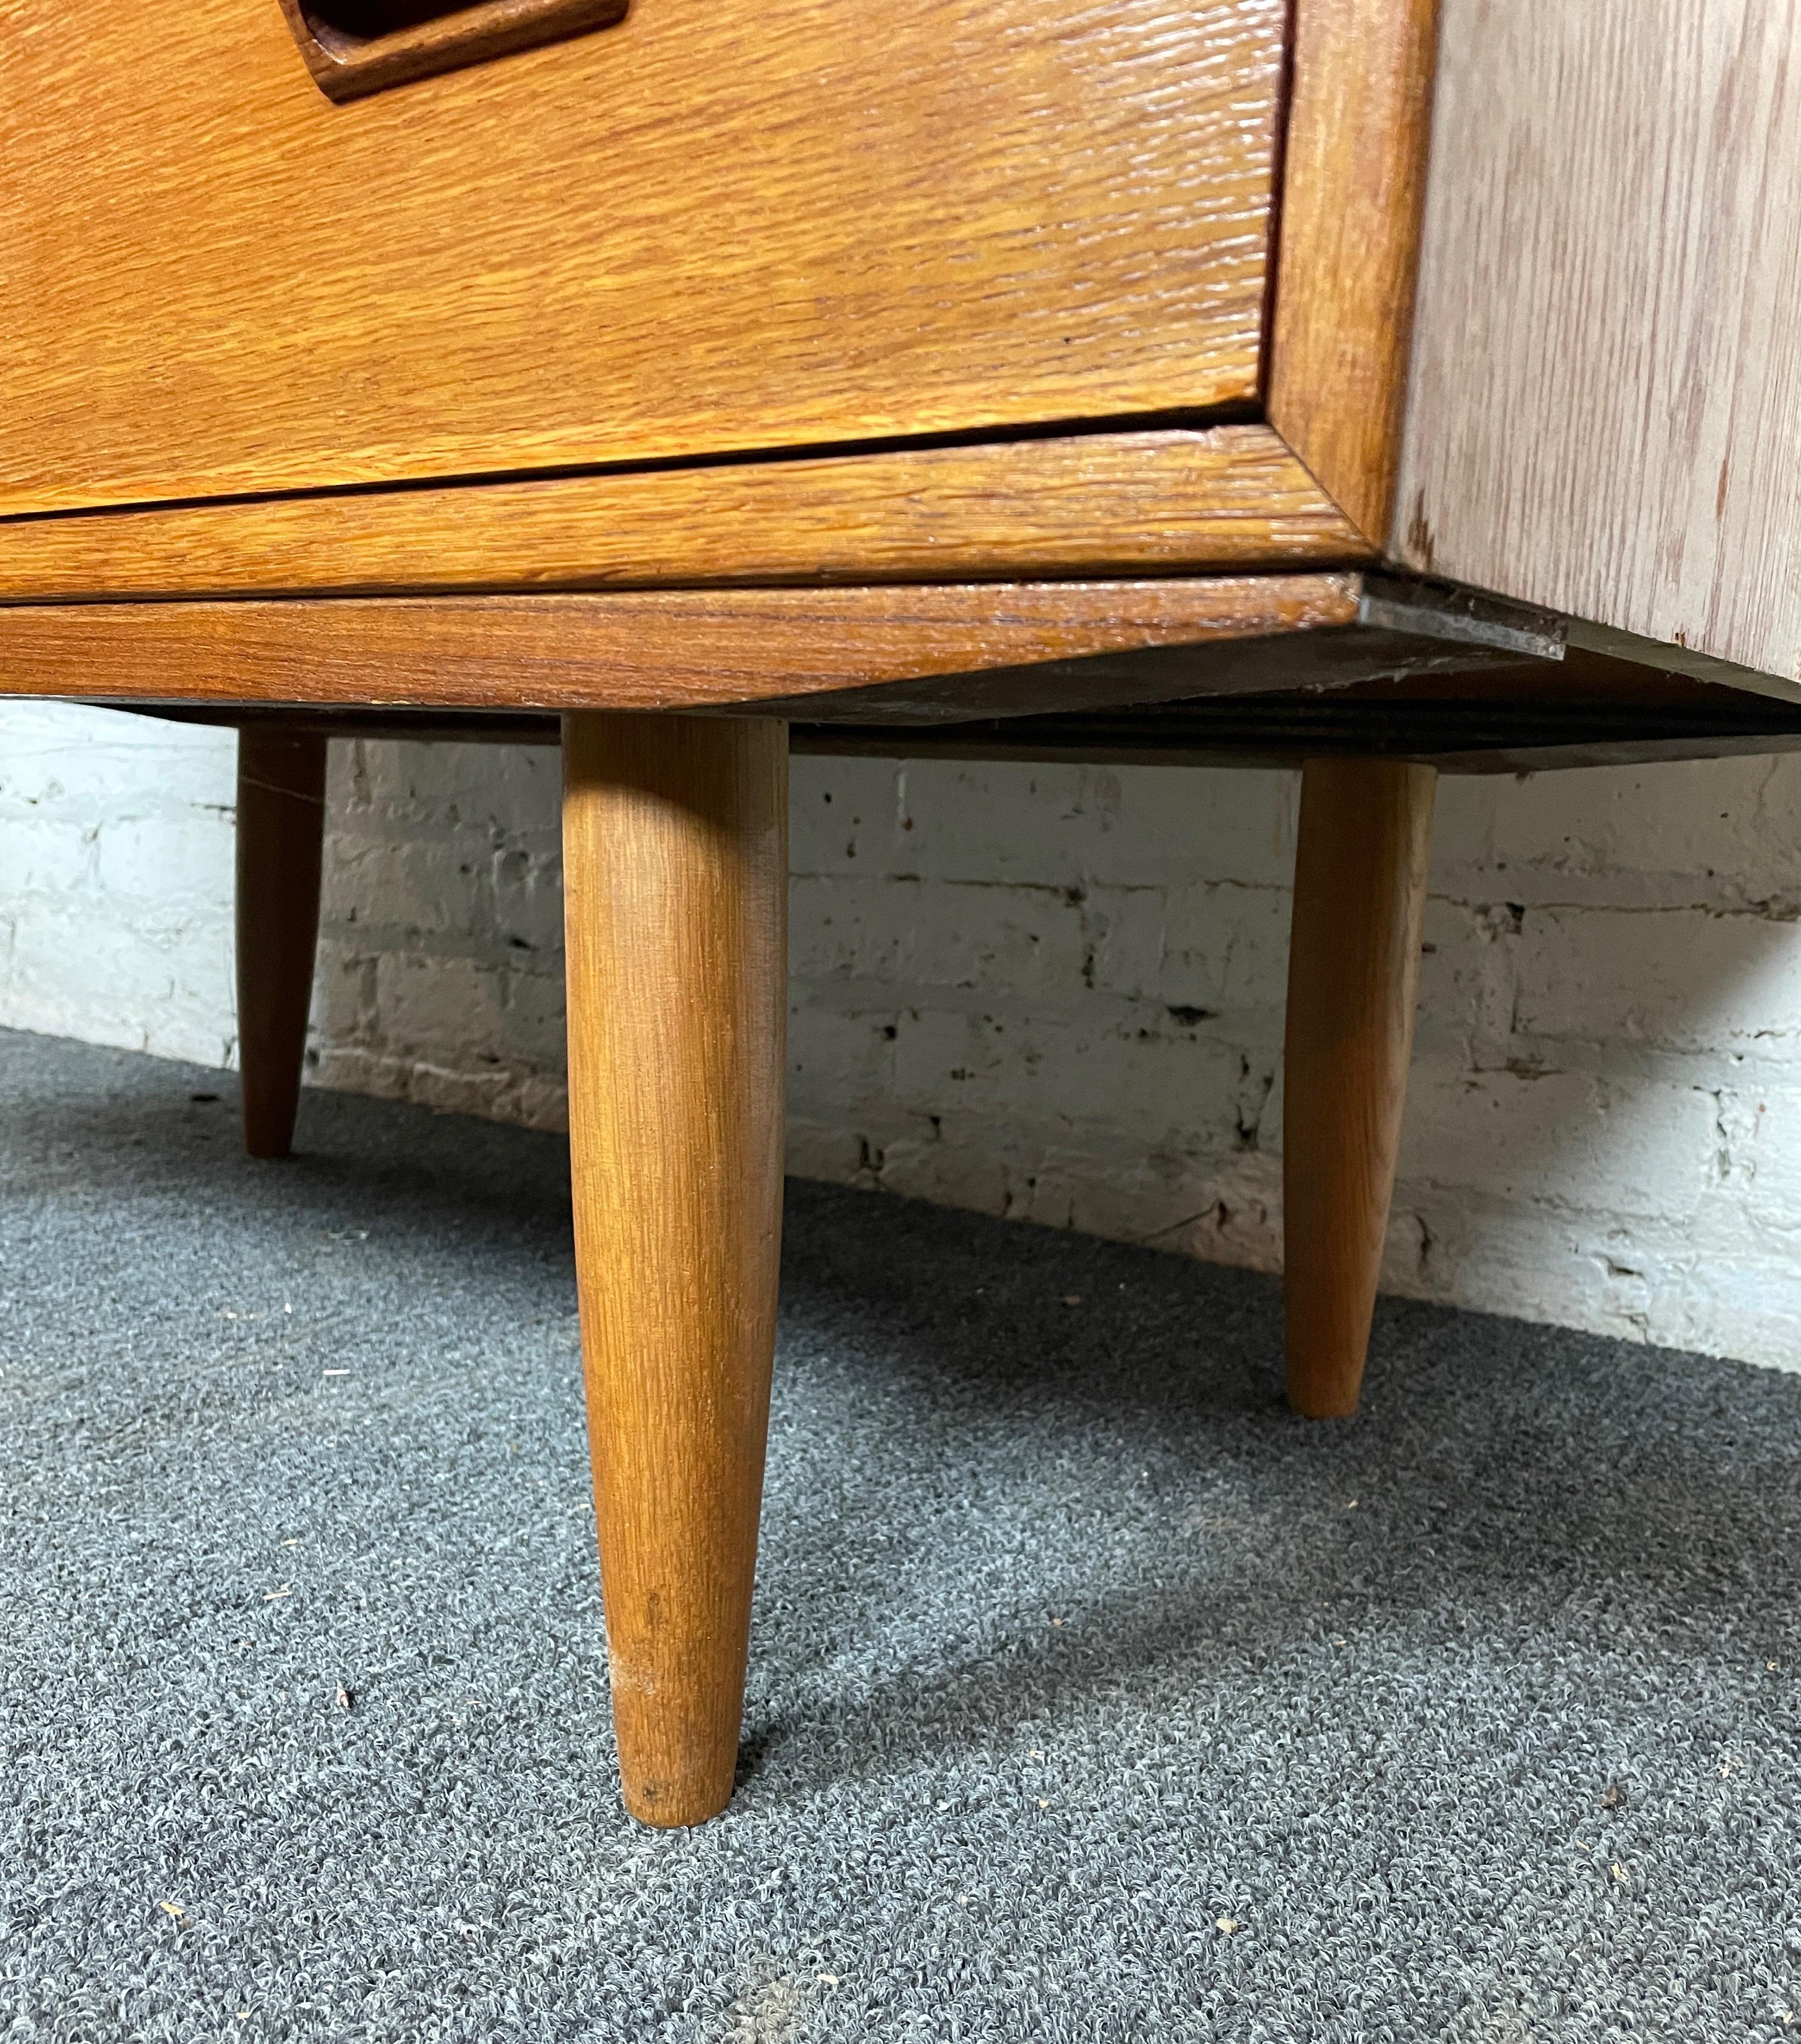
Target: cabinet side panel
(1604, 415)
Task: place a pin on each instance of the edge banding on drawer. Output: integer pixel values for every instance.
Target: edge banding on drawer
(354, 47)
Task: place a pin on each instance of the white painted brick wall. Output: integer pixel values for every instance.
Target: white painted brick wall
(115, 880)
(1051, 993)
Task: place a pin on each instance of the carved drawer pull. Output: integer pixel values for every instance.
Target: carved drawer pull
(355, 47)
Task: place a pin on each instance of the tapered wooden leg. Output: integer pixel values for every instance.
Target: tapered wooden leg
(1354, 982)
(281, 822)
(675, 880)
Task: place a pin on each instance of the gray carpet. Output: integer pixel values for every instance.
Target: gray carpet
(1092, 1696)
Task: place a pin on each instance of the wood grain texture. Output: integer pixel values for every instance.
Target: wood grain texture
(1354, 982)
(1100, 504)
(1353, 179)
(281, 825)
(755, 224)
(663, 650)
(675, 865)
(351, 62)
(1605, 413)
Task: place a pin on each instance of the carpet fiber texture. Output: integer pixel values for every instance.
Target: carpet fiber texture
(1092, 1696)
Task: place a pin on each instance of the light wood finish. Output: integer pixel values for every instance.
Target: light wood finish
(1353, 180)
(1354, 982)
(1605, 413)
(360, 48)
(667, 650)
(676, 886)
(752, 223)
(281, 821)
(925, 653)
(1094, 504)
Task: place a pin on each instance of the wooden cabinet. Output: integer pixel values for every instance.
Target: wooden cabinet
(958, 376)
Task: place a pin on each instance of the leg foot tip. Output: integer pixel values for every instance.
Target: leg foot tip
(673, 1812)
(1323, 1408)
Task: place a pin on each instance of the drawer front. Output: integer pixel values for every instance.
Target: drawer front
(714, 225)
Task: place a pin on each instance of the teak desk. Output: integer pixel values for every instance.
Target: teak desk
(1358, 384)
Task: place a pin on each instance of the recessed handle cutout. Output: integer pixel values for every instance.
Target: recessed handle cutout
(355, 47)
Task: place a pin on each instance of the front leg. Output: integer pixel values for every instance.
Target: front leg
(675, 884)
